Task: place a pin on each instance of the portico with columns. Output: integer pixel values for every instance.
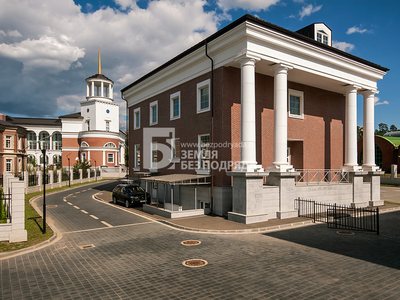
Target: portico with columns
(259, 69)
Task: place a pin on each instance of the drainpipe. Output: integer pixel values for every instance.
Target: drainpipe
(212, 124)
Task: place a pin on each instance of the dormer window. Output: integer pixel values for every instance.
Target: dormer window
(322, 37)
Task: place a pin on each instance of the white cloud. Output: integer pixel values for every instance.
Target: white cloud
(46, 52)
(378, 101)
(355, 29)
(308, 10)
(14, 33)
(249, 5)
(69, 103)
(347, 47)
(124, 4)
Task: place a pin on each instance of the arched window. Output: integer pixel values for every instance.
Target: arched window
(44, 139)
(57, 140)
(31, 159)
(57, 159)
(41, 159)
(110, 145)
(31, 140)
(378, 156)
(84, 144)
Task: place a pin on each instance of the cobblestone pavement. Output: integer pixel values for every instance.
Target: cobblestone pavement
(141, 259)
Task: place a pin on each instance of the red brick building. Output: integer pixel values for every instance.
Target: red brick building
(253, 100)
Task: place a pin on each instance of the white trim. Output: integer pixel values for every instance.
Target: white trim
(299, 94)
(110, 162)
(172, 97)
(153, 104)
(199, 86)
(203, 171)
(136, 111)
(112, 147)
(174, 159)
(136, 167)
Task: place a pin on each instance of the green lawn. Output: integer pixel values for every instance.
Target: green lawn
(33, 224)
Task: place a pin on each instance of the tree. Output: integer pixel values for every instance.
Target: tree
(359, 133)
(383, 128)
(393, 128)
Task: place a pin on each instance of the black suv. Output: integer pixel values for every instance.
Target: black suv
(130, 194)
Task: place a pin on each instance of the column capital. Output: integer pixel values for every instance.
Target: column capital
(367, 93)
(279, 67)
(351, 88)
(246, 56)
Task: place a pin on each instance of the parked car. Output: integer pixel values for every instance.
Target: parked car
(130, 194)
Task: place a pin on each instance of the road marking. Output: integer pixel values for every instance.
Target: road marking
(65, 200)
(105, 223)
(77, 193)
(76, 207)
(69, 195)
(84, 211)
(94, 217)
(69, 203)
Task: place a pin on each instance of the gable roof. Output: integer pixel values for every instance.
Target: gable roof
(264, 24)
(72, 116)
(34, 121)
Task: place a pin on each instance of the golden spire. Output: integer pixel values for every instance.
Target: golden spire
(99, 62)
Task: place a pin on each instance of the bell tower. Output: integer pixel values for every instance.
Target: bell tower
(99, 111)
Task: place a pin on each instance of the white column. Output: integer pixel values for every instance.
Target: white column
(102, 89)
(248, 161)
(111, 95)
(350, 161)
(369, 132)
(92, 88)
(280, 162)
(87, 91)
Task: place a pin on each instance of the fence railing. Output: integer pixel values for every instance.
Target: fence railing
(340, 216)
(32, 180)
(5, 208)
(322, 176)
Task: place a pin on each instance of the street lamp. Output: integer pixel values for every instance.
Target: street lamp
(95, 170)
(69, 173)
(44, 189)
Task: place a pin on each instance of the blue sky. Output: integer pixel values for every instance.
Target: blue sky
(48, 48)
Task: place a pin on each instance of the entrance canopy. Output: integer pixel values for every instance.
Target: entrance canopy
(179, 179)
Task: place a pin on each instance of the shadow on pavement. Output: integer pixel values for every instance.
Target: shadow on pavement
(106, 186)
(380, 249)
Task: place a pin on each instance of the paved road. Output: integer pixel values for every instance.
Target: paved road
(137, 258)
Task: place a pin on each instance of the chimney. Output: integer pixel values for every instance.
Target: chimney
(2, 117)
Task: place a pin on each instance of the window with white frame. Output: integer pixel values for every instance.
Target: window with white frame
(31, 137)
(110, 158)
(110, 145)
(88, 125)
(322, 37)
(175, 106)
(107, 125)
(154, 154)
(296, 104)
(8, 165)
(84, 145)
(153, 113)
(137, 156)
(176, 149)
(8, 142)
(204, 152)
(136, 118)
(84, 158)
(203, 96)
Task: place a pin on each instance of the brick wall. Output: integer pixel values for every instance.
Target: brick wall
(318, 137)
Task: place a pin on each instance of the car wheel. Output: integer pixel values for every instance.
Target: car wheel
(114, 200)
(127, 203)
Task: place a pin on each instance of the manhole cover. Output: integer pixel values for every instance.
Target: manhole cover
(195, 263)
(345, 232)
(87, 246)
(50, 206)
(191, 243)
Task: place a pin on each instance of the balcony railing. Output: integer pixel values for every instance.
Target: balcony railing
(322, 177)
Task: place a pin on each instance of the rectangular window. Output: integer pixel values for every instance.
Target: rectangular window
(203, 96)
(136, 118)
(83, 157)
(176, 149)
(154, 155)
(296, 104)
(110, 158)
(8, 142)
(137, 157)
(107, 125)
(8, 165)
(175, 104)
(153, 113)
(88, 125)
(204, 151)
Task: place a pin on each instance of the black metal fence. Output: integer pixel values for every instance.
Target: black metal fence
(340, 216)
(64, 176)
(32, 180)
(5, 208)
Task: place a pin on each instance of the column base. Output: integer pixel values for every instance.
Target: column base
(247, 219)
(358, 204)
(248, 167)
(17, 236)
(352, 168)
(375, 203)
(372, 168)
(287, 214)
(280, 168)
